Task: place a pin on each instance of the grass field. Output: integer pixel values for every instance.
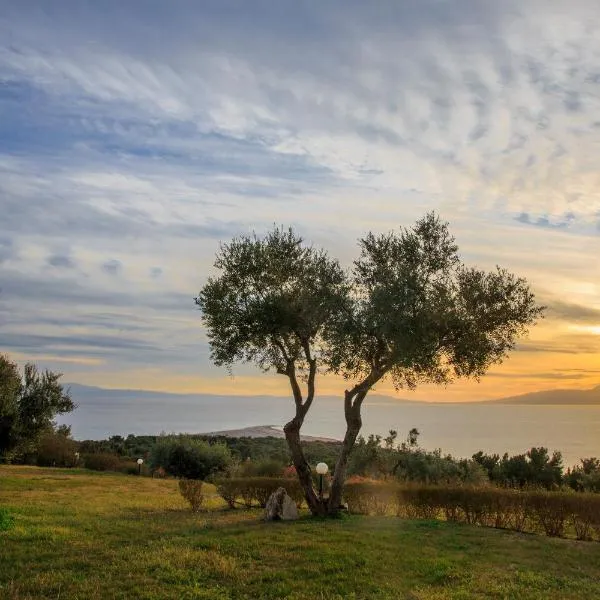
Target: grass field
(86, 535)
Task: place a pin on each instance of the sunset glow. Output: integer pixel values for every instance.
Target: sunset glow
(135, 138)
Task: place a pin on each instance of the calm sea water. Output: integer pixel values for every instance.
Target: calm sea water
(460, 429)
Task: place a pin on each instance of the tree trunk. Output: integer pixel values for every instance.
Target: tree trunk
(292, 435)
(353, 425)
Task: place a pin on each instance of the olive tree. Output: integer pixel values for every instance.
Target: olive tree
(408, 310)
(271, 304)
(28, 405)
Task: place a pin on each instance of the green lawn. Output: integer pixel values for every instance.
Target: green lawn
(84, 535)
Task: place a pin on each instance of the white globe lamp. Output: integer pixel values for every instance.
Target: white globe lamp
(322, 469)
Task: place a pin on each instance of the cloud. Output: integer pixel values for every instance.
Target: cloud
(575, 313)
(564, 344)
(543, 375)
(544, 221)
(134, 131)
(112, 267)
(61, 261)
(6, 249)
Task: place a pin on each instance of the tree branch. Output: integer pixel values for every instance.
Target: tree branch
(281, 347)
(361, 389)
(291, 373)
(312, 372)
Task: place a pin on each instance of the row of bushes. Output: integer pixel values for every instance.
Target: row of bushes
(255, 491)
(553, 513)
(110, 462)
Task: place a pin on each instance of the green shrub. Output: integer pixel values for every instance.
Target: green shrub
(229, 490)
(130, 467)
(191, 490)
(101, 461)
(261, 468)
(55, 449)
(190, 458)
(7, 521)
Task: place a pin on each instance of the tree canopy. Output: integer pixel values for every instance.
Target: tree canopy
(29, 404)
(408, 310)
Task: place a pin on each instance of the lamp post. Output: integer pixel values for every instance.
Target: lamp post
(140, 462)
(322, 469)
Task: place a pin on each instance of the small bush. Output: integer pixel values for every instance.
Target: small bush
(262, 468)
(130, 467)
(7, 521)
(101, 461)
(55, 449)
(229, 490)
(159, 473)
(367, 497)
(191, 490)
(190, 458)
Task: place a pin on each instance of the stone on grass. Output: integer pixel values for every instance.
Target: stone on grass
(280, 507)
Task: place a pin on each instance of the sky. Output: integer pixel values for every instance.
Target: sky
(135, 136)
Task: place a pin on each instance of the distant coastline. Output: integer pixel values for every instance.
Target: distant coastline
(266, 431)
(545, 397)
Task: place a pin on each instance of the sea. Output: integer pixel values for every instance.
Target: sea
(460, 429)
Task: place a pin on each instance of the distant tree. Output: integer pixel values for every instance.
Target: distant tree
(369, 458)
(534, 468)
(29, 404)
(585, 477)
(545, 470)
(491, 464)
(409, 311)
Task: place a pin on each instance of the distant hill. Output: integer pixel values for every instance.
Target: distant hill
(85, 393)
(556, 397)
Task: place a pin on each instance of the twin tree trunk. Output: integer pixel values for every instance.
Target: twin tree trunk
(352, 402)
(331, 505)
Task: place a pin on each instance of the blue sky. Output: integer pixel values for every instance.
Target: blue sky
(134, 136)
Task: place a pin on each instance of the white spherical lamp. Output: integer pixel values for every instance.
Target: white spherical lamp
(322, 468)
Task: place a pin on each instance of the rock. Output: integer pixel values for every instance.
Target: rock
(280, 507)
(289, 509)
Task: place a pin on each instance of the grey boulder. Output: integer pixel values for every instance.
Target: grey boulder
(280, 507)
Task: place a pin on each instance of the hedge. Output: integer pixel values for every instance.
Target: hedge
(255, 491)
(554, 513)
